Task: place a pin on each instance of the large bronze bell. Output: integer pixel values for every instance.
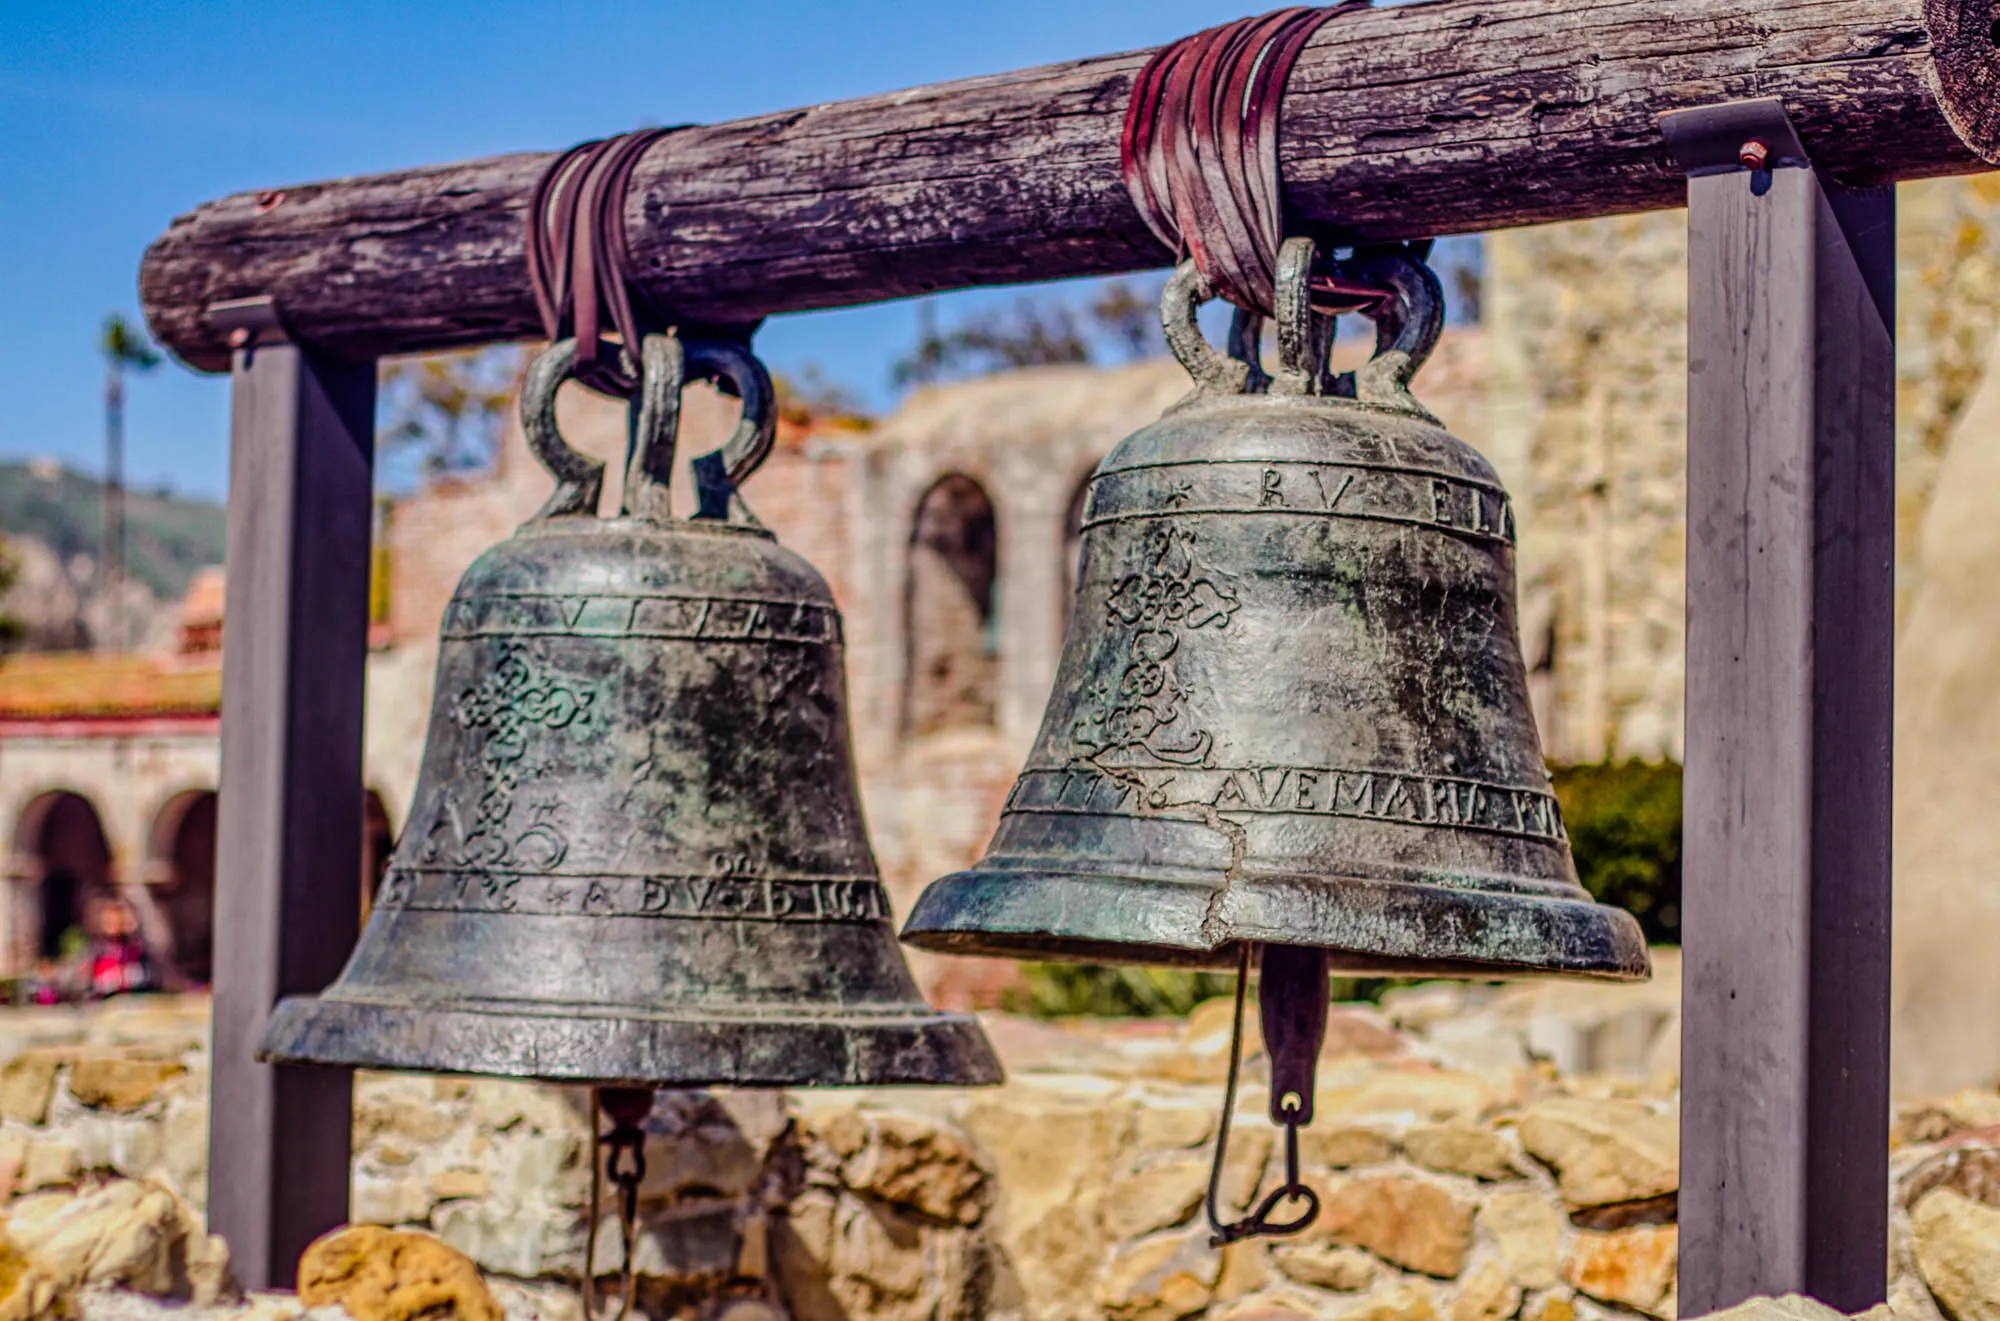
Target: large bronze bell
(636, 855)
(1292, 707)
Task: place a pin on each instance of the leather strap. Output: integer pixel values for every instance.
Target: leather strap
(578, 259)
(1199, 152)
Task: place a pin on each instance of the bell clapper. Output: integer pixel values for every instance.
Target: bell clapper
(1292, 997)
(627, 1108)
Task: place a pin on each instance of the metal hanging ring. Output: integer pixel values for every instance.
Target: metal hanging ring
(1214, 373)
(579, 478)
(718, 474)
(1407, 328)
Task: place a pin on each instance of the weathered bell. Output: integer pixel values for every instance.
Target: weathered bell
(1292, 707)
(636, 855)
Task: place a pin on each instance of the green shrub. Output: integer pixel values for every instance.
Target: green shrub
(1071, 990)
(1624, 824)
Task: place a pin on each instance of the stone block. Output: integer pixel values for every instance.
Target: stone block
(1462, 1148)
(523, 1240)
(397, 1200)
(1422, 1093)
(1487, 1294)
(1528, 1228)
(49, 1163)
(906, 1160)
(1630, 1267)
(1789, 1307)
(28, 1081)
(1338, 1144)
(1957, 1247)
(457, 1182)
(1605, 1150)
(393, 1275)
(120, 1082)
(1160, 1279)
(1412, 1223)
(1325, 1266)
(127, 1234)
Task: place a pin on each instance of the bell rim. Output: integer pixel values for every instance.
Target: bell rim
(616, 1046)
(1032, 913)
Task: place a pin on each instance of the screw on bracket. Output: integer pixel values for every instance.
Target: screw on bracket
(1754, 155)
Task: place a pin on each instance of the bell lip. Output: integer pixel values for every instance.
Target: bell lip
(564, 1045)
(1006, 912)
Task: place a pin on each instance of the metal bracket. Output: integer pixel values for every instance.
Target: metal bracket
(247, 323)
(1736, 137)
(1719, 139)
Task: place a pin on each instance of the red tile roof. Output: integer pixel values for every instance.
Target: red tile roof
(82, 685)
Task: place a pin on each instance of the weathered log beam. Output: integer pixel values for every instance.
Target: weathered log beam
(1446, 117)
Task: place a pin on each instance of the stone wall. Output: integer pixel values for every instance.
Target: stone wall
(1481, 1155)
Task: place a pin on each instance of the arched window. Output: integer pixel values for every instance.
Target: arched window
(953, 650)
(63, 835)
(183, 863)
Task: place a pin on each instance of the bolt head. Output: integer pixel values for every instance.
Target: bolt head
(1754, 155)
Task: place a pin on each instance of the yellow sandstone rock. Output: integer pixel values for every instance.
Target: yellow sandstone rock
(393, 1275)
(1605, 1150)
(28, 1293)
(1410, 1222)
(119, 1082)
(1958, 1251)
(1634, 1266)
(1529, 1231)
(1486, 1295)
(28, 1082)
(1324, 1266)
(1460, 1148)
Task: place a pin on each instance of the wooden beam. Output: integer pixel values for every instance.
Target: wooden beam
(1790, 634)
(1422, 119)
(288, 849)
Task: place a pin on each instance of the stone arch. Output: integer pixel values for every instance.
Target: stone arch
(180, 885)
(951, 634)
(62, 856)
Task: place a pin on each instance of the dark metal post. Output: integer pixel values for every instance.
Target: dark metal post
(288, 853)
(1790, 613)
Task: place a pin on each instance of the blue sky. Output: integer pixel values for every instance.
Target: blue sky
(115, 117)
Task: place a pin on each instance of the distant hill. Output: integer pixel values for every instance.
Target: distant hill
(167, 537)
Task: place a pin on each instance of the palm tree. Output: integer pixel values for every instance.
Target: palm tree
(125, 348)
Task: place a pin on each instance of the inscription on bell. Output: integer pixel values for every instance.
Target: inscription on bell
(1293, 790)
(1383, 493)
(756, 898)
(708, 619)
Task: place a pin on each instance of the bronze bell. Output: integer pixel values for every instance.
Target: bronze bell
(1292, 707)
(636, 856)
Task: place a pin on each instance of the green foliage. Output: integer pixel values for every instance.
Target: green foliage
(1071, 990)
(167, 538)
(1624, 824)
(446, 410)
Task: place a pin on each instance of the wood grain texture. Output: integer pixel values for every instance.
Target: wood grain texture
(1447, 117)
(1965, 70)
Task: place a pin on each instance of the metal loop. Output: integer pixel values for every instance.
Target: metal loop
(1305, 336)
(718, 474)
(1407, 329)
(1187, 289)
(579, 478)
(653, 421)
